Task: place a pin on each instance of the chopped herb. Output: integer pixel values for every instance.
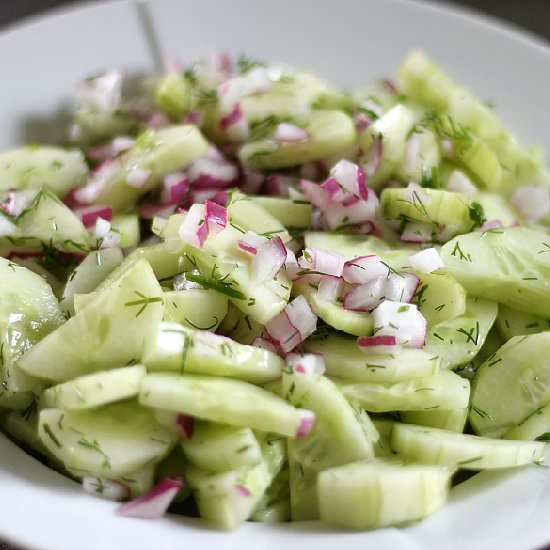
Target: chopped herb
(494, 362)
(469, 460)
(210, 327)
(403, 309)
(243, 449)
(439, 337)
(144, 301)
(480, 412)
(216, 284)
(431, 179)
(543, 437)
(440, 307)
(472, 335)
(51, 435)
(461, 255)
(477, 215)
(245, 64)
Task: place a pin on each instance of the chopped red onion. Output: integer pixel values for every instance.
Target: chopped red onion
(195, 116)
(350, 177)
(102, 227)
(362, 122)
(155, 502)
(174, 188)
(288, 133)
(150, 210)
(364, 269)
(417, 233)
(374, 157)
(102, 93)
(264, 344)
(251, 182)
(379, 344)
(293, 325)
(307, 421)
(89, 214)
(426, 261)
(216, 217)
(314, 171)
(136, 177)
(194, 229)
(106, 488)
(322, 261)
(250, 242)
(157, 120)
(330, 287)
(401, 287)
(186, 425)
(447, 146)
(357, 212)
(461, 183)
(365, 297)
(212, 172)
(291, 265)
(242, 490)
(401, 320)
(96, 182)
(279, 185)
(111, 149)
(315, 193)
(269, 259)
(308, 363)
(532, 202)
(491, 224)
(7, 228)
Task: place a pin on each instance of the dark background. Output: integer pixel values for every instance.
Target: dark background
(533, 15)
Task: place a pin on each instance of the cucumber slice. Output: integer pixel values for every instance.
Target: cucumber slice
(221, 261)
(248, 215)
(175, 348)
(291, 213)
(35, 166)
(340, 435)
(520, 371)
(131, 485)
(470, 452)
(95, 390)
(89, 273)
(229, 498)
(343, 358)
(109, 331)
(331, 133)
(439, 208)
(239, 326)
(535, 426)
(218, 448)
(221, 400)
(28, 312)
(274, 506)
(158, 152)
(333, 313)
(371, 495)
(444, 391)
(452, 420)
(108, 442)
(440, 297)
(509, 265)
(512, 323)
(496, 207)
(349, 246)
(384, 427)
(127, 227)
(459, 340)
(53, 224)
(173, 95)
(195, 308)
(393, 129)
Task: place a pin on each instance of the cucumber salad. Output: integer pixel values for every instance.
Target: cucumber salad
(239, 293)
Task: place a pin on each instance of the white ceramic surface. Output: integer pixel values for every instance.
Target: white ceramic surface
(350, 42)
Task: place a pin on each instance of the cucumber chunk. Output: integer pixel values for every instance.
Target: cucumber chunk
(221, 261)
(218, 447)
(35, 166)
(127, 227)
(274, 506)
(291, 213)
(108, 442)
(227, 499)
(344, 359)
(520, 371)
(157, 152)
(332, 313)
(175, 348)
(440, 297)
(53, 224)
(470, 452)
(172, 95)
(452, 420)
(95, 390)
(459, 340)
(535, 426)
(89, 273)
(371, 495)
(509, 265)
(331, 133)
(512, 323)
(338, 437)
(197, 308)
(441, 209)
(221, 400)
(239, 326)
(444, 391)
(28, 312)
(111, 330)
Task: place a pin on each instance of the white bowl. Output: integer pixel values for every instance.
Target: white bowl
(349, 42)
